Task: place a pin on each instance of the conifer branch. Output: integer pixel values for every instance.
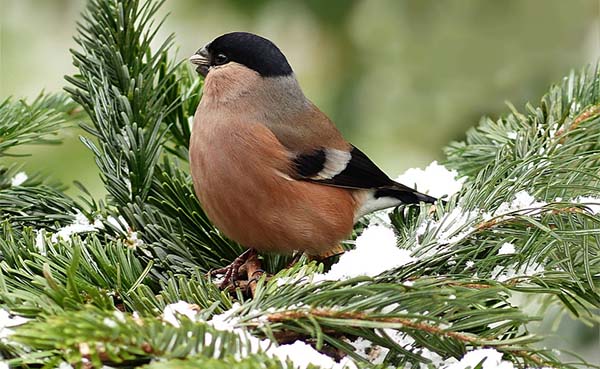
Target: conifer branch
(80, 269)
(140, 102)
(36, 122)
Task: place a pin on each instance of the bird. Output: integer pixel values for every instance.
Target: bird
(271, 171)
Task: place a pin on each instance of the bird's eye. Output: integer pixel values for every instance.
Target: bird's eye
(221, 59)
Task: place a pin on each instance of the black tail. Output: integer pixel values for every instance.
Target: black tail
(405, 194)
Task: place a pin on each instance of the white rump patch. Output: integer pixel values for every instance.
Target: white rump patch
(371, 204)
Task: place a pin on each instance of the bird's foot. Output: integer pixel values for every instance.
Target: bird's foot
(231, 273)
(246, 265)
(254, 272)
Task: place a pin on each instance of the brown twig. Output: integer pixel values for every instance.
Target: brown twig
(408, 323)
(322, 313)
(488, 224)
(585, 115)
(477, 286)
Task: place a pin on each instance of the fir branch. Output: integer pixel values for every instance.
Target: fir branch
(40, 207)
(120, 339)
(141, 103)
(31, 199)
(40, 275)
(365, 307)
(248, 362)
(34, 123)
(452, 297)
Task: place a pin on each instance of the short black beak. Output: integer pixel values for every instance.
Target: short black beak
(202, 59)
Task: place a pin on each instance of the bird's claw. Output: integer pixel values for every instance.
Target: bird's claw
(241, 265)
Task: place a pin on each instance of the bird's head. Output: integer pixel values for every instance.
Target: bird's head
(242, 49)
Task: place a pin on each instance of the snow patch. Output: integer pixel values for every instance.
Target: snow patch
(118, 222)
(435, 180)
(18, 179)
(8, 320)
(491, 358)
(376, 354)
(179, 308)
(133, 241)
(523, 201)
(590, 202)
(506, 248)
(376, 251)
(303, 355)
(452, 227)
(502, 273)
(299, 353)
(109, 323)
(226, 321)
(40, 244)
(367, 349)
(80, 224)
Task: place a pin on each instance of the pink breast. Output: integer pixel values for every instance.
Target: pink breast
(239, 176)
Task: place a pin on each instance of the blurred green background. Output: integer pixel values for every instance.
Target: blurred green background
(400, 78)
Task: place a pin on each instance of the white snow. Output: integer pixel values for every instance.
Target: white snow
(376, 251)
(181, 308)
(493, 360)
(380, 217)
(119, 315)
(435, 180)
(502, 274)
(39, 241)
(18, 179)
(452, 227)
(133, 241)
(592, 203)
(8, 320)
(506, 248)
(118, 222)
(367, 349)
(523, 200)
(299, 353)
(511, 135)
(226, 321)
(109, 323)
(552, 131)
(407, 342)
(303, 355)
(80, 224)
(376, 354)
(132, 238)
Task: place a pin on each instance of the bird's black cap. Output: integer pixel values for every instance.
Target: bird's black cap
(253, 51)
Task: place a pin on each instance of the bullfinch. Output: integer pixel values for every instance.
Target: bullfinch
(271, 170)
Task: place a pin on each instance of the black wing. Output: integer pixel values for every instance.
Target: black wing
(356, 171)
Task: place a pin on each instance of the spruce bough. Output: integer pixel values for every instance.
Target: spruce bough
(93, 277)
